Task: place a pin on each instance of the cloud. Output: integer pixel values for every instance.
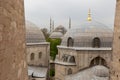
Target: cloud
(39, 11)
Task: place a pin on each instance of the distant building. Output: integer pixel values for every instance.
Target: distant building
(37, 53)
(58, 32)
(83, 48)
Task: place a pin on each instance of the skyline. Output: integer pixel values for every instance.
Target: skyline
(39, 12)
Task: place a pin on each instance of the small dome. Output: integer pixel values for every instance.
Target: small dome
(100, 71)
(61, 29)
(84, 34)
(56, 35)
(33, 33)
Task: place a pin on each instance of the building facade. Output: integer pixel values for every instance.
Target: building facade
(12, 40)
(84, 47)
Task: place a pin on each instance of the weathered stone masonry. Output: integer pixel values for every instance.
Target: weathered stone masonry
(12, 40)
(115, 65)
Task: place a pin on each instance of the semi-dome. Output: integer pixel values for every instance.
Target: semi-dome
(85, 34)
(33, 33)
(101, 71)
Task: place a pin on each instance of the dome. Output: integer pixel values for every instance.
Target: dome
(84, 34)
(56, 35)
(61, 29)
(100, 71)
(33, 33)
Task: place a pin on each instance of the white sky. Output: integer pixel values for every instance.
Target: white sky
(40, 11)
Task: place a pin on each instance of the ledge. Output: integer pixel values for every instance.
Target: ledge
(42, 43)
(85, 48)
(65, 63)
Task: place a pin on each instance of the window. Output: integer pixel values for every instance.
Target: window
(98, 61)
(70, 42)
(32, 56)
(65, 58)
(72, 59)
(96, 42)
(69, 71)
(40, 55)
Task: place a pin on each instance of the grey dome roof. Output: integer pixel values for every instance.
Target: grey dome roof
(84, 34)
(56, 35)
(33, 33)
(90, 74)
(100, 71)
(61, 29)
(58, 32)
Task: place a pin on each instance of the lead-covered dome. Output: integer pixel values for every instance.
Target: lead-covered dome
(58, 32)
(101, 71)
(33, 33)
(86, 34)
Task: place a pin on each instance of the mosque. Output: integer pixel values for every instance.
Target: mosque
(37, 53)
(85, 52)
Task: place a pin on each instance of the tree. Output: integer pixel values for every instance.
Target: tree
(53, 47)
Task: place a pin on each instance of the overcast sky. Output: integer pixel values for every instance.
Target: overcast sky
(40, 11)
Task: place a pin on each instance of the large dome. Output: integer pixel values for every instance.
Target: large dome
(84, 34)
(33, 33)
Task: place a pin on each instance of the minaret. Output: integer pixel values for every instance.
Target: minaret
(13, 64)
(89, 16)
(50, 24)
(69, 23)
(115, 64)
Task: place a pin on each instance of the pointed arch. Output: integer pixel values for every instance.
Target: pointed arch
(98, 61)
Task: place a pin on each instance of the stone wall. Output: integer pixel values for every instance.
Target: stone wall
(85, 58)
(12, 40)
(36, 49)
(61, 71)
(115, 65)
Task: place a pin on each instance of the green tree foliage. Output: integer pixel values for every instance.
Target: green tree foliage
(52, 72)
(53, 47)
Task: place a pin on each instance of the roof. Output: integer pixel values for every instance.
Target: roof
(33, 33)
(40, 72)
(94, 73)
(56, 35)
(84, 34)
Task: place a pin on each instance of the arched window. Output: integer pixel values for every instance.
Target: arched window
(72, 59)
(65, 58)
(32, 56)
(96, 42)
(70, 42)
(98, 61)
(69, 71)
(40, 55)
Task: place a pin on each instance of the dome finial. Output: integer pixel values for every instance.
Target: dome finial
(89, 16)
